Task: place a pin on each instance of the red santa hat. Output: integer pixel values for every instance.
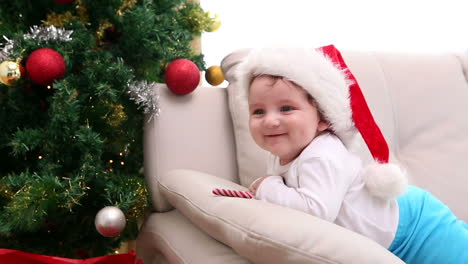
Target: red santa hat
(324, 75)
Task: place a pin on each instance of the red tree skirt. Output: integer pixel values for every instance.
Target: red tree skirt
(20, 257)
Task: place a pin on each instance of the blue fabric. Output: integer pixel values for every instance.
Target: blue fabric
(428, 232)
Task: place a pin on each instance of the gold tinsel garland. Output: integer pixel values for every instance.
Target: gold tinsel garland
(126, 4)
(60, 20)
(105, 24)
(196, 18)
(215, 22)
(116, 116)
(139, 208)
(82, 12)
(100, 33)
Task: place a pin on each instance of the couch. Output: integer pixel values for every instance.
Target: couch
(200, 141)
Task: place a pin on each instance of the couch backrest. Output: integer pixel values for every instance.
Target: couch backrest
(420, 102)
(193, 131)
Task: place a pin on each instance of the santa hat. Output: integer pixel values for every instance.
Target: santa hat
(324, 75)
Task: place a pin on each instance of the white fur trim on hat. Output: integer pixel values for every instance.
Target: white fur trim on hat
(385, 180)
(313, 71)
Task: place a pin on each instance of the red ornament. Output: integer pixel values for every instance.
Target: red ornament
(45, 66)
(182, 76)
(64, 1)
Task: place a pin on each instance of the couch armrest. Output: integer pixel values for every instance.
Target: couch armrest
(265, 232)
(171, 238)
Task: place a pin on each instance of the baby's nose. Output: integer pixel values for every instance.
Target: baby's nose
(272, 120)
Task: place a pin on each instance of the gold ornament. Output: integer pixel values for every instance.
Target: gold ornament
(214, 75)
(215, 22)
(10, 72)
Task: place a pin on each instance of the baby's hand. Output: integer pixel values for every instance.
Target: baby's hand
(254, 186)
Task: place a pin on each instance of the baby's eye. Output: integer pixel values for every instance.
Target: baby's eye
(258, 112)
(286, 108)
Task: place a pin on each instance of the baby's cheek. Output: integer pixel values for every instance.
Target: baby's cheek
(255, 133)
(306, 135)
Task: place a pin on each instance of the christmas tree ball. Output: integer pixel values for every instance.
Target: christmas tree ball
(182, 76)
(110, 221)
(45, 65)
(64, 1)
(214, 75)
(10, 72)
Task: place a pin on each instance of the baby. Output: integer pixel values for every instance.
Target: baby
(305, 108)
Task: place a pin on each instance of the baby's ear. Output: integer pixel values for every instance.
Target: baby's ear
(323, 125)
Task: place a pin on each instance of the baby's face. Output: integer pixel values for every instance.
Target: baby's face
(282, 120)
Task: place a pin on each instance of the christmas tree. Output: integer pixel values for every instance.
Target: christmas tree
(71, 74)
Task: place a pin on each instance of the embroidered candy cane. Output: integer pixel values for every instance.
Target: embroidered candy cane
(233, 193)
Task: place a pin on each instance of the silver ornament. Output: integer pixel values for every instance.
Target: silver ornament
(145, 96)
(110, 221)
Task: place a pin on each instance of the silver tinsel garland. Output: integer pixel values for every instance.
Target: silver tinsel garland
(42, 33)
(5, 51)
(145, 96)
(38, 33)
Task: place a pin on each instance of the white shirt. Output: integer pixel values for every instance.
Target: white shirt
(325, 181)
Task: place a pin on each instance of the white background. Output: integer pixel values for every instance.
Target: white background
(397, 25)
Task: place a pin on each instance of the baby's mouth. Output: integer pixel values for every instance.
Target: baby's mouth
(275, 135)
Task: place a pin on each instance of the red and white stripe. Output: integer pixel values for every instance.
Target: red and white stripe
(233, 193)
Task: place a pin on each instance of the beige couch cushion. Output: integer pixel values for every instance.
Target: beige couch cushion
(264, 232)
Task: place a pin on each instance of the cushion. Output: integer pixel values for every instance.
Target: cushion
(264, 232)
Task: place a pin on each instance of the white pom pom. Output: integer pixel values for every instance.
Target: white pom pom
(385, 181)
